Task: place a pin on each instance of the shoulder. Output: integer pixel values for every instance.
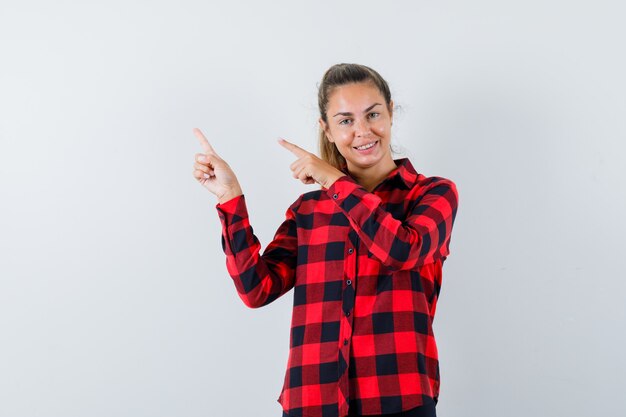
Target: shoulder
(310, 197)
(435, 186)
(425, 183)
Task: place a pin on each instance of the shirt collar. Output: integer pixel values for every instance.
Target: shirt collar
(404, 173)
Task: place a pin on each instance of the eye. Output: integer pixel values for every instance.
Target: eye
(373, 114)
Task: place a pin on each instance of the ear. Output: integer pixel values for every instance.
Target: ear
(391, 111)
(324, 127)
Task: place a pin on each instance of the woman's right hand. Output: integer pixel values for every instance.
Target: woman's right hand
(214, 173)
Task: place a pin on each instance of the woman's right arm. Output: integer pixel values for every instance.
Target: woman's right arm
(259, 279)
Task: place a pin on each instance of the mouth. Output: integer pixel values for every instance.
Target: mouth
(366, 147)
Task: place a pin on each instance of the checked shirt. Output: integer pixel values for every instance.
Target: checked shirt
(366, 269)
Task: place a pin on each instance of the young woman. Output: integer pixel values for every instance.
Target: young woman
(364, 255)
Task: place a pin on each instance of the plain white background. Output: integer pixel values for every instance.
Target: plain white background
(114, 295)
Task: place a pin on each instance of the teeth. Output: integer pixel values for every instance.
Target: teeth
(366, 146)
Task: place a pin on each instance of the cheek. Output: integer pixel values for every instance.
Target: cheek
(342, 139)
(381, 128)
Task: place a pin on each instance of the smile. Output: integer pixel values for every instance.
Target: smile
(364, 147)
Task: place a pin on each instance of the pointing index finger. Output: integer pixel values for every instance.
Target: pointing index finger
(295, 149)
(203, 141)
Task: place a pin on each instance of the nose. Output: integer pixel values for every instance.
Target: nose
(361, 127)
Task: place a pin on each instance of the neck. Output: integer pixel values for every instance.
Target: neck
(370, 177)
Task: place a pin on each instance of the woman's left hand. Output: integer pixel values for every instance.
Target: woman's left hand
(310, 169)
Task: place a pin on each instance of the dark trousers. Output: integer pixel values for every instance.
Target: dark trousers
(426, 410)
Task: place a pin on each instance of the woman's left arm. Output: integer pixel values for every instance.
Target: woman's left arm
(422, 238)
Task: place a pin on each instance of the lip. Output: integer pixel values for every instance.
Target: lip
(369, 150)
(374, 141)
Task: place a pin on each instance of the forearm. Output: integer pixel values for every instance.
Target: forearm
(422, 237)
(259, 279)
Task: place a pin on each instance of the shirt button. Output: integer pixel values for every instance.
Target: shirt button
(345, 342)
(347, 314)
(335, 196)
(350, 250)
(349, 282)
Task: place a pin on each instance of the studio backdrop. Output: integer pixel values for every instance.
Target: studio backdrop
(114, 294)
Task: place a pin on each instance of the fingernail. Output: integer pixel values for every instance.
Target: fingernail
(201, 158)
(206, 175)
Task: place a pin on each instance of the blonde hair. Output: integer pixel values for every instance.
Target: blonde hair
(335, 76)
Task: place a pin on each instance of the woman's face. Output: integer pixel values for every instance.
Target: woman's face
(357, 115)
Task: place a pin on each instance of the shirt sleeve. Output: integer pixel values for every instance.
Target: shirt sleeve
(422, 238)
(259, 279)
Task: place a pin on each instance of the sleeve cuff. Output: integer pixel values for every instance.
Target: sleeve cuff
(342, 188)
(349, 195)
(233, 210)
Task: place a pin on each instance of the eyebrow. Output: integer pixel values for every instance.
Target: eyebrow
(364, 111)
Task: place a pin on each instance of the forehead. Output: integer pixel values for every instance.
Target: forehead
(354, 96)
